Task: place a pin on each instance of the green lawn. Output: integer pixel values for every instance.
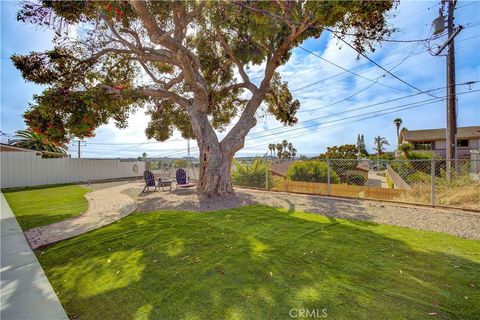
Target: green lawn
(38, 206)
(259, 263)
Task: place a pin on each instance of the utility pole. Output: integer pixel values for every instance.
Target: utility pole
(451, 127)
(451, 143)
(78, 147)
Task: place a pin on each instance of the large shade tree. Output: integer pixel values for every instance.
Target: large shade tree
(185, 62)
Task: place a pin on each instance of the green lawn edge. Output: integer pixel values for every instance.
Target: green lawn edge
(259, 262)
(43, 205)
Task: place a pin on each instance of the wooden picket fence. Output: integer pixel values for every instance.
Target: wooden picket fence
(340, 190)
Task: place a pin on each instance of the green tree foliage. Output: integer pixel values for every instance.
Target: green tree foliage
(251, 174)
(343, 157)
(311, 171)
(271, 148)
(346, 151)
(284, 150)
(380, 143)
(356, 179)
(36, 141)
(405, 148)
(180, 163)
(398, 122)
(178, 60)
(361, 147)
(424, 155)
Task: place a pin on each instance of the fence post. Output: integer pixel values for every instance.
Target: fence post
(432, 183)
(266, 174)
(328, 176)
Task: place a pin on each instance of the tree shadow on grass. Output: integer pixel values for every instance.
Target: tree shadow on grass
(260, 263)
(28, 222)
(187, 199)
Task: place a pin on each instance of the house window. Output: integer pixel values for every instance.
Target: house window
(462, 143)
(424, 145)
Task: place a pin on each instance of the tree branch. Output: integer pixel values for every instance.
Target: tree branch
(189, 62)
(234, 140)
(249, 85)
(149, 92)
(155, 33)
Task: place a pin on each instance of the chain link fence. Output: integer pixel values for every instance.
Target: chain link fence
(167, 171)
(429, 182)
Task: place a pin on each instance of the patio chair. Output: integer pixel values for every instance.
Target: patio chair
(182, 180)
(149, 180)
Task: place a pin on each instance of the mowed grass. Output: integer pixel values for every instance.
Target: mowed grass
(260, 263)
(38, 206)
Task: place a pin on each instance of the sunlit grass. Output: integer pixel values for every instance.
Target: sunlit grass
(38, 206)
(259, 263)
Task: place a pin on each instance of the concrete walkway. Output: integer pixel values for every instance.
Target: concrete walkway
(375, 180)
(105, 206)
(25, 291)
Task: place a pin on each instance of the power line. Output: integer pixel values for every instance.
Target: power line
(348, 44)
(465, 5)
(347, 70)
(362, 73)
(135, 143)
(375, 113)
(365, 118)
(366, 88)
(338, 74)
(381, 67)
(380, 103)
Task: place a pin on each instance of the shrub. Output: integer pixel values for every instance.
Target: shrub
(251, 175)
(311, 171)
(390, 183)
(356, 179)
(405, 148)
(423, 155)
(418, 177)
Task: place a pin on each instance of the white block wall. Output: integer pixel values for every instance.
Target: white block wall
(21, 169)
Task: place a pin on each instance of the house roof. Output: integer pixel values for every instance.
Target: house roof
(439, 134)
(280, 168)
(363, 165)
(10, 148)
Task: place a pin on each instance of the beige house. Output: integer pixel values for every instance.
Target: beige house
(468, 138)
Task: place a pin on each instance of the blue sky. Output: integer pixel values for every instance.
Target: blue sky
(327, 117)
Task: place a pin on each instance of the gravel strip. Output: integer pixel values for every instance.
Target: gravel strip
(455, 222)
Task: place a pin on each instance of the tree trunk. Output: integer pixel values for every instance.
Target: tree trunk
(216, 157)
(215, 169)
(215, 162)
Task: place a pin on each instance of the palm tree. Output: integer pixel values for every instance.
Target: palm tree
(284, 144)
(35, 141)
(405, 148)
(271, 147)
(398, 122)
(144, 155)
(279, 147)
(401, 134)
(293, 153)
(379, 143)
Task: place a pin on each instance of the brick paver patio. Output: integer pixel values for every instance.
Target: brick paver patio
(105, 206)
